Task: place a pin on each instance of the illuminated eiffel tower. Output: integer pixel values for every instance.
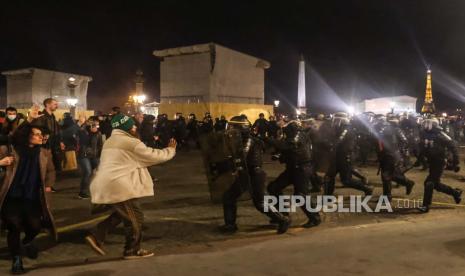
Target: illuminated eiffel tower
(428, 105)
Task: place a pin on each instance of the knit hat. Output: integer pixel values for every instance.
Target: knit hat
(123, 122)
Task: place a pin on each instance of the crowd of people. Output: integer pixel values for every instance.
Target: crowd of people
(114, 151)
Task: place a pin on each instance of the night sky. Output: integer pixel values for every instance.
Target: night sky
(353, 49)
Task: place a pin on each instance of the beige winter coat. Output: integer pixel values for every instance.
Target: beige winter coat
(122, 173)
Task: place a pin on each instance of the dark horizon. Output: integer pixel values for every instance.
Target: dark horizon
(354, 49)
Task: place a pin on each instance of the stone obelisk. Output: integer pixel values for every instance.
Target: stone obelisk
(301, 101)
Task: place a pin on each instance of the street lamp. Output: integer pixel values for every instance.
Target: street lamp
(138, 101)
(72, 101)
(276, 103)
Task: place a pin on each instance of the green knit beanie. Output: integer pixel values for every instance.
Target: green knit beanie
(123, 122)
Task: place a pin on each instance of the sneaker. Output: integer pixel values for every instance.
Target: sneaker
(82, 196)
(95, 245)
(53, 190)
(141, 253)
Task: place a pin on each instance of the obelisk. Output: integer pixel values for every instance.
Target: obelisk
(301, 102)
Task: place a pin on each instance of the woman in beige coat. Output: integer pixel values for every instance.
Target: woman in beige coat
(122, 178)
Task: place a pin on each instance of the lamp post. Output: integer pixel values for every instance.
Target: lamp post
(72, 100)
(276, 105)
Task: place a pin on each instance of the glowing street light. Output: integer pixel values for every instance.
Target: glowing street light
(139, 98)
(71, 79)
(276, 103)
(351, 110)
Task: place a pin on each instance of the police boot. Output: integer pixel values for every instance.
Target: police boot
(427, 196)
(458, 196)
(313, 220)
(387, 187)
(313, 217)
(424, 209)
(17, 266)
(367, 190)
(283, 225)
(409, 186)
(229, 226)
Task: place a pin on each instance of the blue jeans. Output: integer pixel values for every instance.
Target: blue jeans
(87, 165)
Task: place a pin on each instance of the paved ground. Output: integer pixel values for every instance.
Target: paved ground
(181, 219)
(432, 245)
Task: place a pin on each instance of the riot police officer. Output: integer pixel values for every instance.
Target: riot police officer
(249, 171)
(342, 140)
(434, 143)
(295, 153)
(391, 142)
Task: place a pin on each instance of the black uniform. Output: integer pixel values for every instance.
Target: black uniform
(391, 140)
(206, 126)
(221, 124)
(192, 130)
(342, 143)
(252, 169)
(434, 143)
(295, 152)
(261, 126)
(273, 129)
(411, 129)
(180, 131)
(163, 131)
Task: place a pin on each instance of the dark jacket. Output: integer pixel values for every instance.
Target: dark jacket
(69, 133)
(9, 126)
(147, 131)
(49, 122)
(89, 144)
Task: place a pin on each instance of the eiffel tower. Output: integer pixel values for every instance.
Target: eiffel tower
(428, 105)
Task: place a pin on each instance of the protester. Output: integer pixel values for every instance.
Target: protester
(261, 126)
(46, 119)
(23, 202)
(121, 179)
(69, 132)
(89, 149)
(12, 121)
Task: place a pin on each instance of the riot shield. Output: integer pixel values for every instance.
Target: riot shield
(222, 154)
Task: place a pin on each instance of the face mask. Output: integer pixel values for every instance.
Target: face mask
(11, 117)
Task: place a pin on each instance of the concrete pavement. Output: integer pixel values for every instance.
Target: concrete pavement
(430, 245)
